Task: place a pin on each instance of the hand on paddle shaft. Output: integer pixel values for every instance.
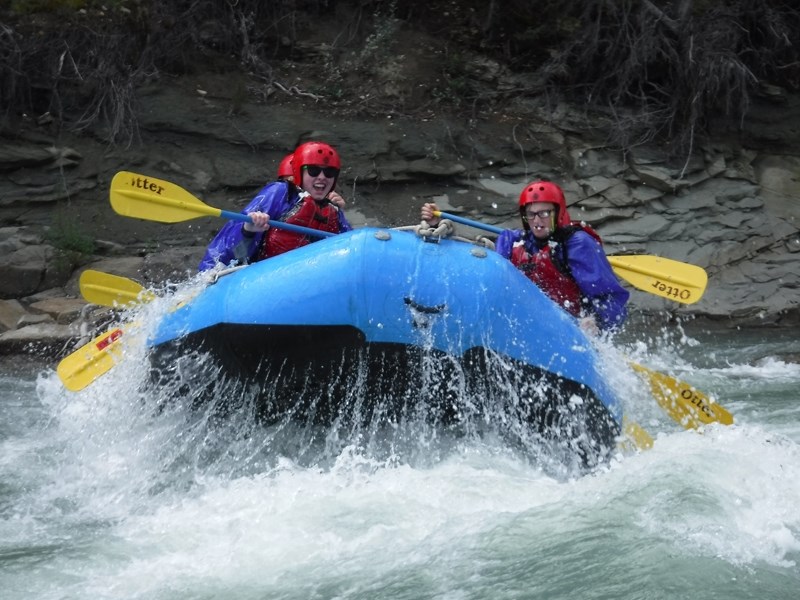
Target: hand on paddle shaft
(260, 220)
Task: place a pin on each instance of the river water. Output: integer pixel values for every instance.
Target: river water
(103, 497)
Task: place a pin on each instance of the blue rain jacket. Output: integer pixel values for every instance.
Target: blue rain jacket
(590, 269)
(230, 244)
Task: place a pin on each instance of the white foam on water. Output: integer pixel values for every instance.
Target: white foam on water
(730, 493)
(120, 500)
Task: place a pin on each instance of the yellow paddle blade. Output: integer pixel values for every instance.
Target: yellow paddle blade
(663, 277)
(145, 197)
(111, 290)
(634, 434)
(90, 361)
(683, 402)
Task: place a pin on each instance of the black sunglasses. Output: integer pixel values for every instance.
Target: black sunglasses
(314, 170)
(542, 214)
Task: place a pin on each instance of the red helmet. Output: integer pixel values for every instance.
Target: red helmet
(285, 168)
(544, 191)
(313, 153)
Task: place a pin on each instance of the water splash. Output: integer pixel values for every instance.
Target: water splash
(117, 497)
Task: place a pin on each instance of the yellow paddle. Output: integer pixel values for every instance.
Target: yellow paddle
(683, 402)
(99, 356)
(111, 290)
(96, 358)
(90, 361)
(663, 277)
(152, 199)
(634, 433)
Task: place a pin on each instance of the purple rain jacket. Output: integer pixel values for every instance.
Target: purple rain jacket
(588, 266)
(230, 244)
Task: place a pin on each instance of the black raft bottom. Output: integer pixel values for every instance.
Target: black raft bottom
(331, 376)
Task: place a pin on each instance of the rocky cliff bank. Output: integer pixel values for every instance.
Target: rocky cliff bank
(731, 206)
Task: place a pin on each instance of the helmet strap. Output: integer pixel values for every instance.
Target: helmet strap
(525, 225)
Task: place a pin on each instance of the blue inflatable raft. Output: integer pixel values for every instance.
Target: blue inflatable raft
(382, 325)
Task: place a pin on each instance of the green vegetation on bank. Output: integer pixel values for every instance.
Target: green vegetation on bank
(73, 245)
(658, 69)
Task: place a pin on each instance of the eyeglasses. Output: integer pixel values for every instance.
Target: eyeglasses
(542, 214)
(315, 170)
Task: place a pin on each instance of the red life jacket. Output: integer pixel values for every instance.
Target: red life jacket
(552, 273)
(307, 213)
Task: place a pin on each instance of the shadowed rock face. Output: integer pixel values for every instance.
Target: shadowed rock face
(730, 207)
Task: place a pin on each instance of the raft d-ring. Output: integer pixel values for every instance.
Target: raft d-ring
(383, 235)
(478, 253)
